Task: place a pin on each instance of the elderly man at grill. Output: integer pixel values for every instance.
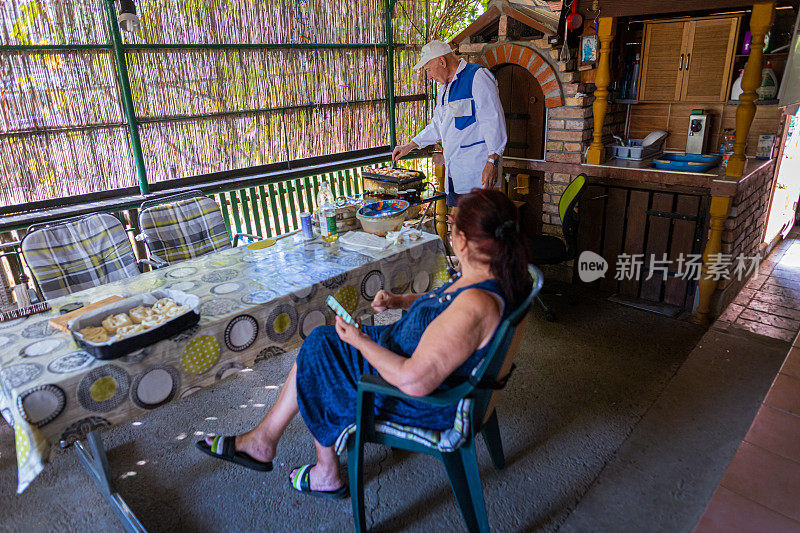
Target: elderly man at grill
(468, 119)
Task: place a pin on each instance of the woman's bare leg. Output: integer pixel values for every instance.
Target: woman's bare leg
(261, 441)
(325, 474)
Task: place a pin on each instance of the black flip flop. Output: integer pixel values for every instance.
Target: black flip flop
(225, 448)
(301, 482)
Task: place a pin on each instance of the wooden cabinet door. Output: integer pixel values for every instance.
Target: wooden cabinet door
(661, 78)
(707, 67)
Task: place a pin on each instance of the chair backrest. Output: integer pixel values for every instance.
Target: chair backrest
(497, 363)
(78, 253)
(569, 215)
(183, 226)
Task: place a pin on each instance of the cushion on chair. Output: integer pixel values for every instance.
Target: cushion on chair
(184, 229)
(445, 441)
(79, 254)
(546, 250)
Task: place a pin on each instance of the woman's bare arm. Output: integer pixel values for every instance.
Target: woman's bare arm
(465, 326)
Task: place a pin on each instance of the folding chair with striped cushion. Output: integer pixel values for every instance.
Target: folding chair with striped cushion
(78, 253)
(183, 226)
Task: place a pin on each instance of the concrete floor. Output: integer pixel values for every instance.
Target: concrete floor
(604, 430)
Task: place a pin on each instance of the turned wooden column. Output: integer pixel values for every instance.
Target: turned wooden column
(718, 211)
(441, 205)
(605, 33)
(760, 22)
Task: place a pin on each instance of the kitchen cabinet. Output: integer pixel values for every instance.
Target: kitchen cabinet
(688, 60)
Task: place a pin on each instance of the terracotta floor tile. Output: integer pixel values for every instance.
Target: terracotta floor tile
(773, 309)
(728, 511)
(732, 312)
(785, 395)
(765, 478)
(756, 282)
(772, 320)
(791, 366)
(783, 301)
(777, 432)
(765, 329)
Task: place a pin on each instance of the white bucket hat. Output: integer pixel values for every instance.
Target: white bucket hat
(432, 50)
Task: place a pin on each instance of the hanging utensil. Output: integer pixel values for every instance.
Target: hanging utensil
(574, 19)
(564, 54)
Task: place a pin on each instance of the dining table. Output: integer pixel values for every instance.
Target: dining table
(256, 302)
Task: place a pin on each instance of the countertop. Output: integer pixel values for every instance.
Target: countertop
(642, 172)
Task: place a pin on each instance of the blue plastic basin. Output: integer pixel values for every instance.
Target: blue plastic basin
(687, 162)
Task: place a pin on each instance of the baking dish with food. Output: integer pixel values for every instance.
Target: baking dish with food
(135, 322)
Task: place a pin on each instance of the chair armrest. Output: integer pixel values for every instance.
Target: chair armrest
(377, 385)
(153, 262)
(239, 236)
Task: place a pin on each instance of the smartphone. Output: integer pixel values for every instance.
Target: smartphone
(334, 304)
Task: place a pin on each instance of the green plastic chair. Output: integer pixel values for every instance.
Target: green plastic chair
(482, 387)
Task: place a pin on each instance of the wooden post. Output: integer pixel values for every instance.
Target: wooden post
(720, 206)
(605, 33)
(441, 205)
(760, 22)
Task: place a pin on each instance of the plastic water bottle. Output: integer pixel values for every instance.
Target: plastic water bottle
(324, 197)
(326, 205)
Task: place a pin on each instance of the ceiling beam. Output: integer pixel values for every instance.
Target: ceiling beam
(630, 8)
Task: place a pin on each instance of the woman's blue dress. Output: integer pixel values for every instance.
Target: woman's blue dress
(328, 370)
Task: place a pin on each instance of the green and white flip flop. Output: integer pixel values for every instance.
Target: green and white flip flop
(225, 448)
(301, 481)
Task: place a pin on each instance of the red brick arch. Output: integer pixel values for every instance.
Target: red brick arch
(533, 62)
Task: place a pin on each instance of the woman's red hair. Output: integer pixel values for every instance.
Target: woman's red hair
(488, 220)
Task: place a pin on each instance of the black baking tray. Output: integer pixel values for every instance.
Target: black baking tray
(137, 342)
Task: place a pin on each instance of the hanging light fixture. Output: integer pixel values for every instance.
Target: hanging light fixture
(128, 19)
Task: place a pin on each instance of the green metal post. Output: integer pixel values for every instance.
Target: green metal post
(127, 100)
(390, 71)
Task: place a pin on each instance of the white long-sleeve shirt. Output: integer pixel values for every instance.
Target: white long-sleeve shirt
(466, 149)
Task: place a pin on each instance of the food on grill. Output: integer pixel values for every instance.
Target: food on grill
(394, 172)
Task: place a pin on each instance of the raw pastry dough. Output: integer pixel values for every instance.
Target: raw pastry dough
(163, 304)
(132, 329)
(154, 321)
(141, 313)
(114, 322)
(94, 334)
(175, 310)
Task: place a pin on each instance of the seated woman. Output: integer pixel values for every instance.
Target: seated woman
(434, 346)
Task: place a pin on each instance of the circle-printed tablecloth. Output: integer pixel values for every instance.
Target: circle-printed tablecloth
(255, 306)
(200, 354)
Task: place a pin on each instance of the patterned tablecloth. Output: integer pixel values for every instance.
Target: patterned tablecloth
(254, 304)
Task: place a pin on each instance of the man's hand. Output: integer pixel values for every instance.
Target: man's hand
(489, 176)
(382, 301)
(402, 151)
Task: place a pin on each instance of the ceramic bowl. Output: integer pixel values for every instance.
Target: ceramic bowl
(379, 218)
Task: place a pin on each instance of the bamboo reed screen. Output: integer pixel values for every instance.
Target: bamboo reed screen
(215, 85)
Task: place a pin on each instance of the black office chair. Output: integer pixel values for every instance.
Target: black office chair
(550, 250)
